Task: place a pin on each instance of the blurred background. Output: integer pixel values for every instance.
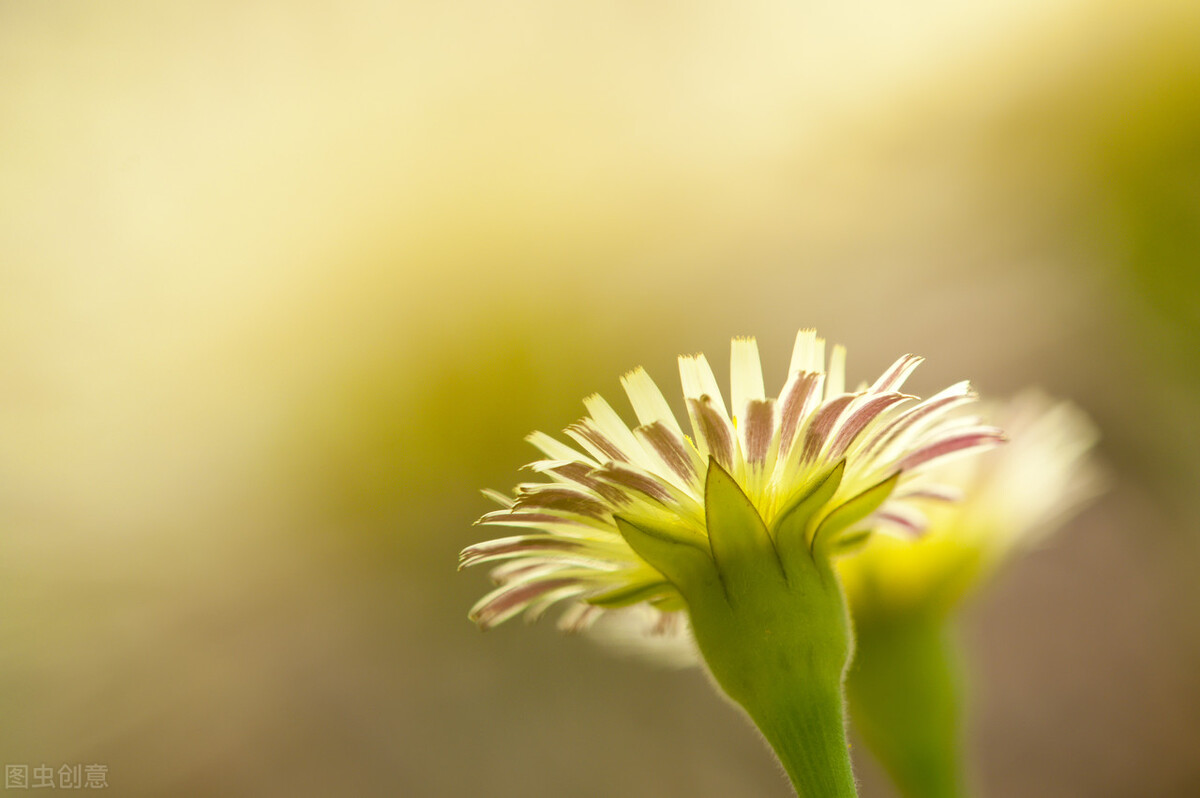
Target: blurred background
(282, 285)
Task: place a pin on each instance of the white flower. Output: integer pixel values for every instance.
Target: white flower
(861, 460)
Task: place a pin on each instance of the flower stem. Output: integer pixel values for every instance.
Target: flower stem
(905, 691)
(805, 725)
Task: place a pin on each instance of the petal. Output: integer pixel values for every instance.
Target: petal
(835, 382)
(507, 601)
(894, 377)
(498, 497)
(745, 375)
(758, 430)
(563, 499)
(955, 443)
(581, 474)
(679, 460)
(900, 520)
(713, 431)
(822, 425)
(914, 420)
(647, 494)
(579, 617)
(864, 410)
(554, 449)
(647, 400)
(698, 381)
(571, 527)
(514, 546)
(808, 354)
(587, 435)
(609, 424)
(936, 493)
(800, 397)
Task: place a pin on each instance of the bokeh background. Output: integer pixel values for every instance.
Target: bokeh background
(282, 285)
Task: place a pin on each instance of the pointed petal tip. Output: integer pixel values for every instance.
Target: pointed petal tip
(633, 373)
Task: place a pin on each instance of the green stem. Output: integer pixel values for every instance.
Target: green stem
(905, 692)
(806, 728)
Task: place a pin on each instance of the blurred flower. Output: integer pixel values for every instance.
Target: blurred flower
(642, 632)
(834, 465)
(1013, 497)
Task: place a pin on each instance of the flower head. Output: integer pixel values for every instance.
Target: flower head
(820, 466)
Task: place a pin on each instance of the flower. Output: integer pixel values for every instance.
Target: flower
(843, 463)
(1013, 497)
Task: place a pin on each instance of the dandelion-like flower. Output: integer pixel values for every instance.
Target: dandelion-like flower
(820, 466)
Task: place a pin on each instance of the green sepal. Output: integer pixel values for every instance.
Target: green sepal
(741, 546)
(792, 524)
(685, 564)
(853, 511)
(852, 541)
(670, 602)
(629, 595)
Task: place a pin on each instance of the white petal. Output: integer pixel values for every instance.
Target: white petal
(611, 426)
(647, 400)
(835, 383)
(808, 354)
(745, 375)
(698, 381)
(556, 450)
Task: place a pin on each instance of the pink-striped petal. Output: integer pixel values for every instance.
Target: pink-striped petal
(858, 418)
(672, 450)
(712, 427)
(500, 605)
(759, 429)
(799, 397)
(822, 425)
(956, 443)
(894, 377)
